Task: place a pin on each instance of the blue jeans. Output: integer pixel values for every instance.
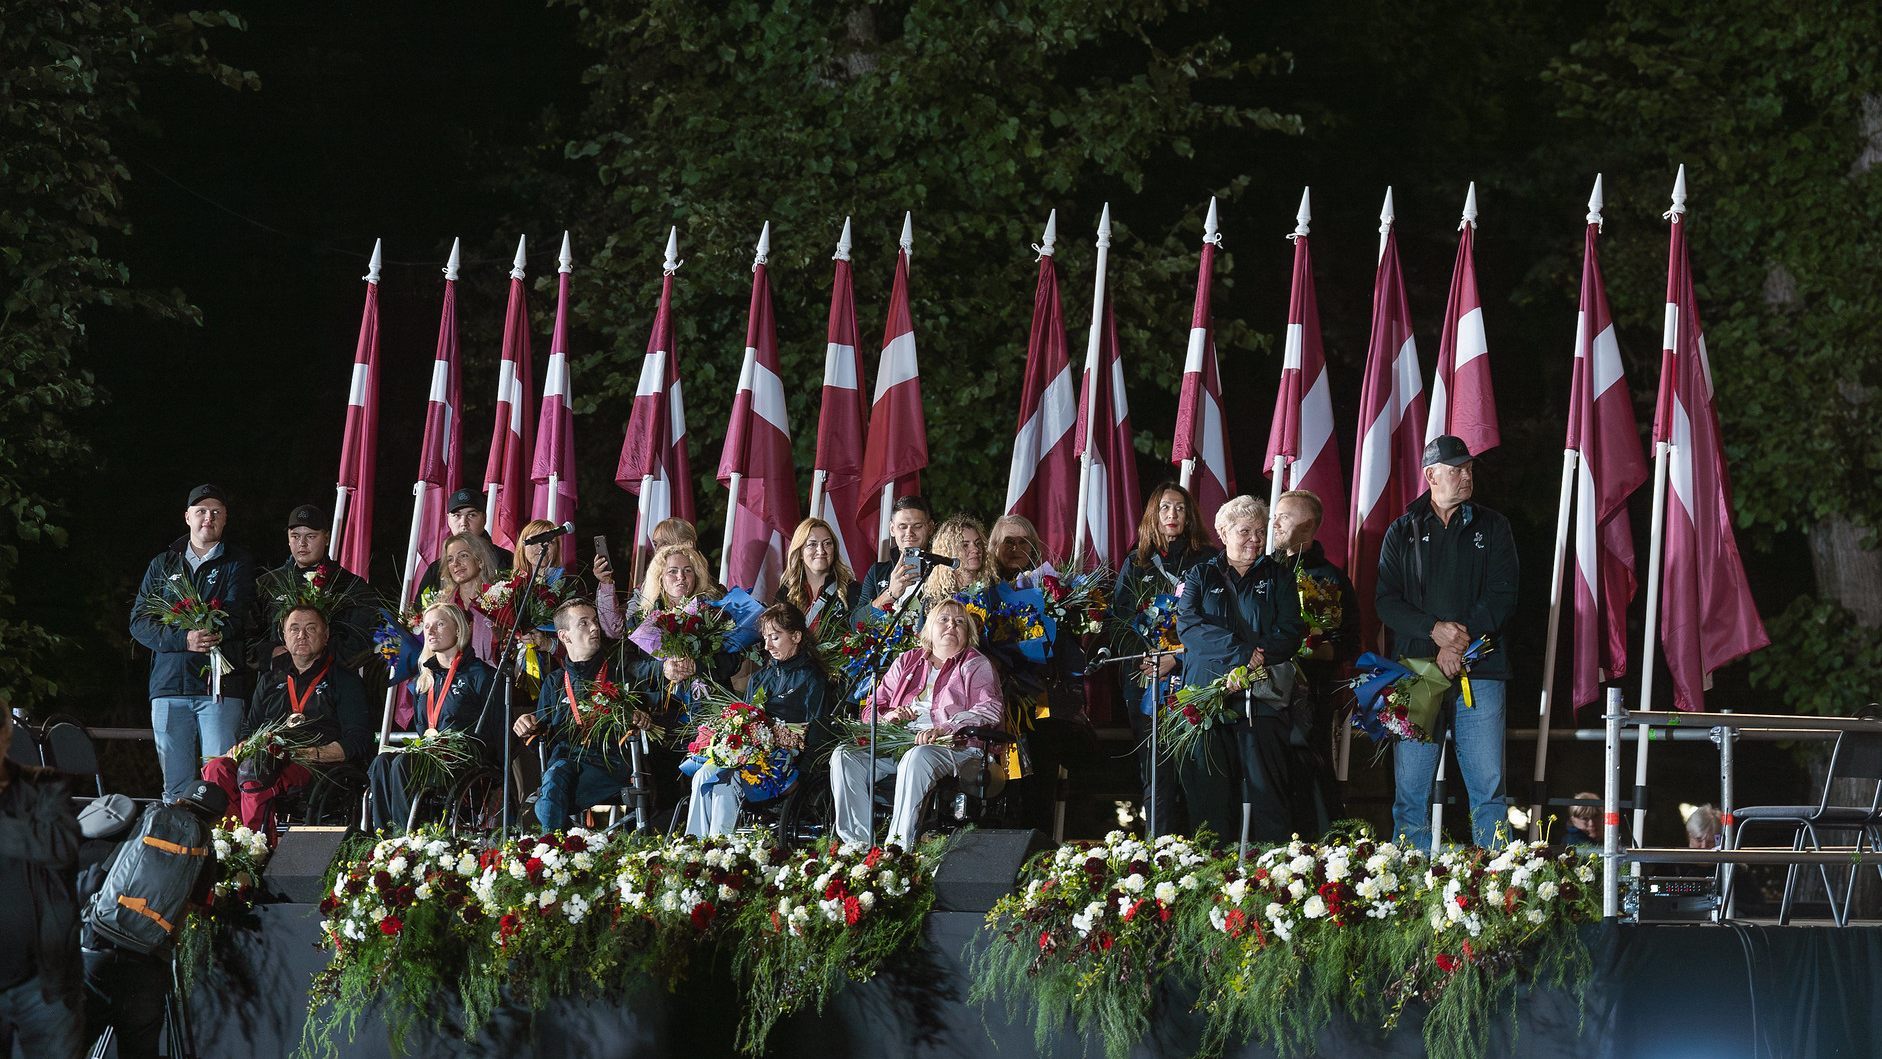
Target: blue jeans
(43, 1030)
(567, 786)
(1478, 733)
(191, 729)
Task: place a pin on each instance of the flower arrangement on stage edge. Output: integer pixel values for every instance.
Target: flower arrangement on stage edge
(241, 854)
(830, 915)
(1093, 932)
(417, 919)
(1300, 930)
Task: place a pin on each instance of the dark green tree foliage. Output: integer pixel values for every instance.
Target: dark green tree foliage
(1776, 110)
(69, 85)
(980, 117)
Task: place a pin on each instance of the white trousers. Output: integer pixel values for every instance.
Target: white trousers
(713, 810)
(915, 775)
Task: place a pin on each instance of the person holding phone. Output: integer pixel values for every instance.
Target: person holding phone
(887, 584)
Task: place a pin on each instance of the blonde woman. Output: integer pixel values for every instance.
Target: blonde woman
(470, 563)
(937, 690)
(677, 574)
(816, 580)
(615, 621)
(964, 538)
(451, 689)
(1017, 550)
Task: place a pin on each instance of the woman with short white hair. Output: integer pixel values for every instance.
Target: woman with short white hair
(938, 689)
(1240, 609)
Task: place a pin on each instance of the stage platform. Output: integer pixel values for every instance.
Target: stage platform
(1665, 992)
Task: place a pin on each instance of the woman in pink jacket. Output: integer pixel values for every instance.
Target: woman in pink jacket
(937, 690)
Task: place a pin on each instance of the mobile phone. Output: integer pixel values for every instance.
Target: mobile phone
(911, 558)
(601, 546)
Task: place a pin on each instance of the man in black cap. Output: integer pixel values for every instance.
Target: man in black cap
(464, 513)
(345, 600)
(889, 582)
(1447, 577)
(191, 723)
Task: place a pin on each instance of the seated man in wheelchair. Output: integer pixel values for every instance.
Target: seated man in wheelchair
(318, 708)
(796, 692)
(937, 690)
(576, 774)
(451, 689)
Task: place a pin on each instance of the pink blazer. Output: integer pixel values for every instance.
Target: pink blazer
(967, 693)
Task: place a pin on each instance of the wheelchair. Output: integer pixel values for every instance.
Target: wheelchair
(331, 800)
(952, 804)
(470, 803)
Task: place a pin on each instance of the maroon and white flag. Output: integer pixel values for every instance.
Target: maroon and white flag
(1388, 456)
(1301, 433)
(1113, 499)
(654, 464)
(898, 433)
(1042, 483)
(755, 463)
(507, 484)
(1609, 467)
(1707, 617)
(836, 486)
(1202, 444)
(553, 467)
(441, 457)
(1462, 404)
(351, 540)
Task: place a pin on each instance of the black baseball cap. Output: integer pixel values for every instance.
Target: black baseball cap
(207, 799)
(308, 516)
(464, 498)
(207, 492)
(1448, 450)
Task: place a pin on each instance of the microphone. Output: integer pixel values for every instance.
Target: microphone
(548, 535)
(1100, 656)
(929, 558)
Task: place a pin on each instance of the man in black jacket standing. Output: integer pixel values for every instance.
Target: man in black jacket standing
(1330, 610)
(1447, 577)
(191, 723)
(41, 978)
(344, 598)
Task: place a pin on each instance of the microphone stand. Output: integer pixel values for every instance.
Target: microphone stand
(506, 663)
(1155, 654)
(882, 667)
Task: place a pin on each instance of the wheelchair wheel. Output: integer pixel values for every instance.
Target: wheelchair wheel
(808, 815)
(333, 798)
(475, 802)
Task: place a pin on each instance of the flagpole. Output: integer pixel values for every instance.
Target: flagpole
(1091, 383)
(816, 494)
(747, 381)
(341, 494)
(1558, 572)
(1662, 453)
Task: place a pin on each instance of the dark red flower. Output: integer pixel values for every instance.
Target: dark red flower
(852, 911)
(702, 915)
(390, 925)
(1446, 963)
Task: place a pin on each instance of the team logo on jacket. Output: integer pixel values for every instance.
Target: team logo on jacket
(1478, 540)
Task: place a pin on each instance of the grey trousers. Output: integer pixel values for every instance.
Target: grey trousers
(915, 775)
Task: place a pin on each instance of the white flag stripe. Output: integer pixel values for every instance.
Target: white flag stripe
(767, 397)
(1198, 344)
(556, 382)
(676, 414)
(1471, 340)
(839, 367)
(356, 392)
(440, 381)
(1680, 470)
(1058, 409)
(1025, 459)
(1120, 406)
(1375, 463)
(1316, 427)
(653, 369)
(898, 364)
(1291, 356)
(1408, 385)
(1669, 339)
(1607, 361)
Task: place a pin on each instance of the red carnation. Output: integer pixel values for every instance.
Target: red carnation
(390, 925)
(1446, 963)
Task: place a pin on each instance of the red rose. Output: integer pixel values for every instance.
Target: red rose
(390, 925)
(1045, 941)
(702, 915)
(215, 604)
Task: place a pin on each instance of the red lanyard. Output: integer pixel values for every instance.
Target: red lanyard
(434, 698)
(569, 686)
(299, 701)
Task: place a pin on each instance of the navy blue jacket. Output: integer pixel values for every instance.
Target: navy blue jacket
(1465, 572)
(1222, 618)
(552, 709)
(174, 669)
(464, 703)
(797, 692)
(336, 709)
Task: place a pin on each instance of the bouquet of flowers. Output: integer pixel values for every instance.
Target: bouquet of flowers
(892, 740)
(870, 648)
(1192, 711)
(738, 738)
(1141, 621)
(440, 754)
(241, 854)
(1095, 921)
(693, 884)
(602, 716)
(695, 629)
(1320, 608)
(1401, 699)
(1014, 626)
(1079, 600)
(515, 601)
(177, 605)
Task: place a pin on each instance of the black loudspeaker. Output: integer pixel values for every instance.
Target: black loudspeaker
(981, 867)
(300, 860)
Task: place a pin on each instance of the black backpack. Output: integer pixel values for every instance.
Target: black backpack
(143, 903)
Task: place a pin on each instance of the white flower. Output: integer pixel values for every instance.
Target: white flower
(1236, 890)
(423, 891)
(539, 850)
(1301, 864)
(726, 893)
(560, 878)
(222, 847)
(1437, 920)
(1585, 873)
(1296, 889)
(1315, 907)
(466, 864)
(1218, 918)
(582, 861)
(866, 899)
(1534, 915)
(1133, 883)
(1547, 890)
(575, 908)
(546, 898)
(1189, 882)
(1274, 911)
(1283, 928)
(517, 871)
(1166, 892)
